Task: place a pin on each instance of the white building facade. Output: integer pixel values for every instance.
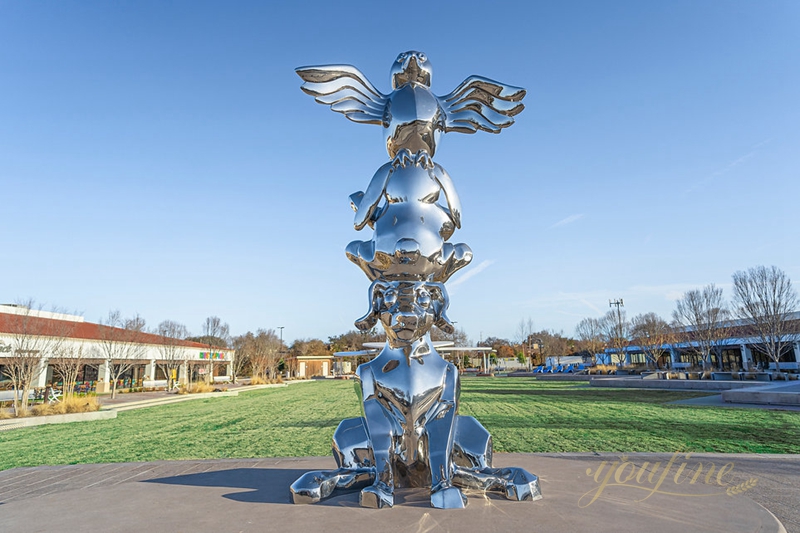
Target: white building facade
(49, 337)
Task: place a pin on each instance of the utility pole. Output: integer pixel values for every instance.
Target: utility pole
(618, 303)
(530, 353)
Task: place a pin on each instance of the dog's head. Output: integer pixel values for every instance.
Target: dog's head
(407, 310)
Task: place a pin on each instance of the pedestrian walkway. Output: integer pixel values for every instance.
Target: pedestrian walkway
(582, 492)
(129, 400)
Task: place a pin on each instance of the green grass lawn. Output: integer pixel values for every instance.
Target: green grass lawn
(521, 414)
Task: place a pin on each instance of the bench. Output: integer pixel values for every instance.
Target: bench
(155, 383)
(8, 395)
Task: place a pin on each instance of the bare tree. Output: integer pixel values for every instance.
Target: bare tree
(459, 336)
(548, 343)
(217, 331)
(651, 333)
(120, 345)
(172, 352)
(502, 347)
(354, 341)
(701, 316)
(589, 332)
(216, 334)
(616, 332)
(241, 361)
(308, 347)
(32, 340)
(68, 358)
(524, 337)
(764, 299)
(263, 350)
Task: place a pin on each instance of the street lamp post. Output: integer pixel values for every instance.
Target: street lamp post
(280, 350)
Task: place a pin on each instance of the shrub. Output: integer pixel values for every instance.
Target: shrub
(84, 404)
(260, 380)
(196, 388)
(606, 369)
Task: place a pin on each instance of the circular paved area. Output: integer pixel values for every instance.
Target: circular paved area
(251, 495)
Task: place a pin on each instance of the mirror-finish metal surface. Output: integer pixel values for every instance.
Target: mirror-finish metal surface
(412, 116)
(411, 434)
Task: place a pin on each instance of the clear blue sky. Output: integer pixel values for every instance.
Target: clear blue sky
(160, 158)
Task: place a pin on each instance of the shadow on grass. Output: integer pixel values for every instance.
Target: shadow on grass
(255, 485)
(321, 423)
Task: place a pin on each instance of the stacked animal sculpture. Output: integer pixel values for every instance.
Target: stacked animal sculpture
(411, 434)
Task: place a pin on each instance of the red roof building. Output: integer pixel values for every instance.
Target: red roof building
(47, 335)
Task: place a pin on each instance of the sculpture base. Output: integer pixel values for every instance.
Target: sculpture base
(249, 495)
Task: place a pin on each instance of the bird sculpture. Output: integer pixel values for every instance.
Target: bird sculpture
(412, 116)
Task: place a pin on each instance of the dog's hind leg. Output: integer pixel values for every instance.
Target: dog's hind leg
(381, 433)
(440, 430)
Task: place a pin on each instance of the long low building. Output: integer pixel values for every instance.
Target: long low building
(50, 339)
(734, 352)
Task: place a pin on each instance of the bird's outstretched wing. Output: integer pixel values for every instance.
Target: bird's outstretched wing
(481, 104)
(346, 90)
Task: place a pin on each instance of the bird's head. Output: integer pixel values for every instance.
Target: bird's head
(411, 66)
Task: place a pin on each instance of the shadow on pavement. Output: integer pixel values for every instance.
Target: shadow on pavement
(271, 485)
(258, 485)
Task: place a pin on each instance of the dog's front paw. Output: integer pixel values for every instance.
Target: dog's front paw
(448, 498)
(521, 485)
(376, 496)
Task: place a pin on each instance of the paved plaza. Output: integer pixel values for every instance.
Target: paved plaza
(251, 495)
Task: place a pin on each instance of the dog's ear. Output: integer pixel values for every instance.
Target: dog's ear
(439, 303)
(368, 321)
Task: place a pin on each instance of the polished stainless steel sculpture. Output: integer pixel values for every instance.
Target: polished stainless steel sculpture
(411, 434)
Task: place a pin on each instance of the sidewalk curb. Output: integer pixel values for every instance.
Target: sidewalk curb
(17, 423)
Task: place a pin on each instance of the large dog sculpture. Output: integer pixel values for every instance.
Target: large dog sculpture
(410, 435)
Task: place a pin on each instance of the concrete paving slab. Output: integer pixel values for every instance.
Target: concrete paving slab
(697, 385)
(717, 400)
(773, 394)
(582, 492)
